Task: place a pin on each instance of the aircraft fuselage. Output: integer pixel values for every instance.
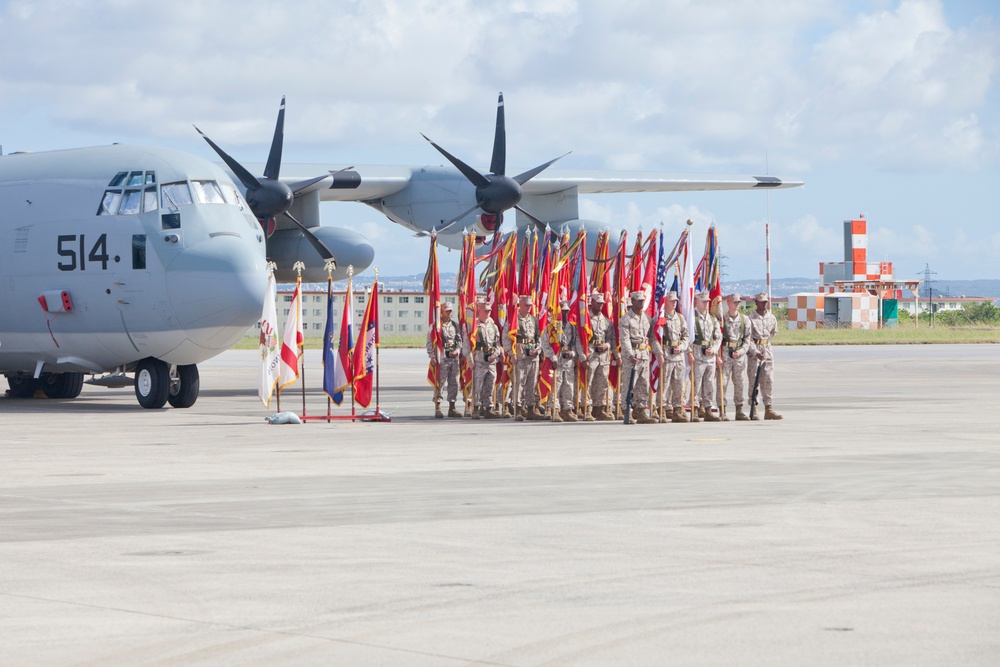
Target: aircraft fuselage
(113, 254)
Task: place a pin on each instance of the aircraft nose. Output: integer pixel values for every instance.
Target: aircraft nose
(217, 289)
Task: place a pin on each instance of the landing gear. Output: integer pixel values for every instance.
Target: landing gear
(21, 386)
(62, 385)
(184, 385)
(152, 383)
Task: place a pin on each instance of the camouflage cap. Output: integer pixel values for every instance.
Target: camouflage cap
(671, 295)
(564, 305)
(735, 296)
(447, 306)
(638, 295)
(524, 299)
(762, 296)
(703, 296)
(597, 297)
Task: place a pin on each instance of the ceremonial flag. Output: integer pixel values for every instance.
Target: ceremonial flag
(291, 345)
(268, 344)
(339, 375)
(364, 351)
(582, 318)
(649, 274)
(686, 292)
(432, 285)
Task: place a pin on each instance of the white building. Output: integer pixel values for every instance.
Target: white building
(402, 313)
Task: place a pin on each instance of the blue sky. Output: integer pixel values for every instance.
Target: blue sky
(888, 108)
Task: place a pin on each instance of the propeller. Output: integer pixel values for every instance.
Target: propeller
(267, 196)
(495, 192)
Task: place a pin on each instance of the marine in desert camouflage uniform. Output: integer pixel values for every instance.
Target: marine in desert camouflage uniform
(676, 341)
(598, 362)
(736, 345)
(564, 378)
(525, 345)
(704, 348)
(637, 341)
(451, 338)
(765, 327)
(488, 352)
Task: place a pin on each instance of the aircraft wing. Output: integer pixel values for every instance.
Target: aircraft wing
(602, 182)
(370, 182)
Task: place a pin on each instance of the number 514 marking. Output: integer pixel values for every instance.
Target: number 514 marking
(73, 247)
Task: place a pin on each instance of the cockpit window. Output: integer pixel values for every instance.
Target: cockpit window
(131, 203)
(173, 195)
(207, 192)
(109, 205)
(135, 178)
(150, 177)
(149, 199)
(118, 180)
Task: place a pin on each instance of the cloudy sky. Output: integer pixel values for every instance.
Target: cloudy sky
(889, 108)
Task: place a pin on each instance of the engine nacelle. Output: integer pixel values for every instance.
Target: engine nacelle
(287, 246)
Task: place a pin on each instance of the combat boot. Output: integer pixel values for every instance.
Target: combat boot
(452, 412)
(519, 415)
(437, 410)
(694, 414)
(643, 418)
(678, 416)
(740, 415)
(531, 414)
(557, 416)
(476, 413)
(569, 416)
(493, 413)
(590, 416)
(757, 417)
(771, 414)
(602, 414)
(710, 416)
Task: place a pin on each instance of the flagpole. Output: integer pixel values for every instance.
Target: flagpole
(378, 413)
(330, 266)
(298, 266)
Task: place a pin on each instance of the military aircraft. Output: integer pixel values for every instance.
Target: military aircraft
(122, 259)
(453, 201)
(129, 259)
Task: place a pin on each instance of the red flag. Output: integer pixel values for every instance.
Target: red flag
(291, 345)
(432, 285)
(364, 351)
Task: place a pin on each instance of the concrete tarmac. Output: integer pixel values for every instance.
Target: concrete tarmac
(863, 529)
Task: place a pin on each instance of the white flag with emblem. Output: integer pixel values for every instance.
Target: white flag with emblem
(268, 344)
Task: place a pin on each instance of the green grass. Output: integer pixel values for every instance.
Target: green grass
(904, 334)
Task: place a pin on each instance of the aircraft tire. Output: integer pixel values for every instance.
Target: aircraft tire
(62, 385)
(152, 383)
(21, 386)
(184, 390)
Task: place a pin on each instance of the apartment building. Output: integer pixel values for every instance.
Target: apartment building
(400, 313)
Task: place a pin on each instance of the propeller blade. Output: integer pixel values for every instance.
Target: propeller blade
(499, 163)
(246, 178)
(474, 176)
(451, 222)
(273, 167)
(531, 173)
(538, 223)
(321, 248)
(296, 188)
